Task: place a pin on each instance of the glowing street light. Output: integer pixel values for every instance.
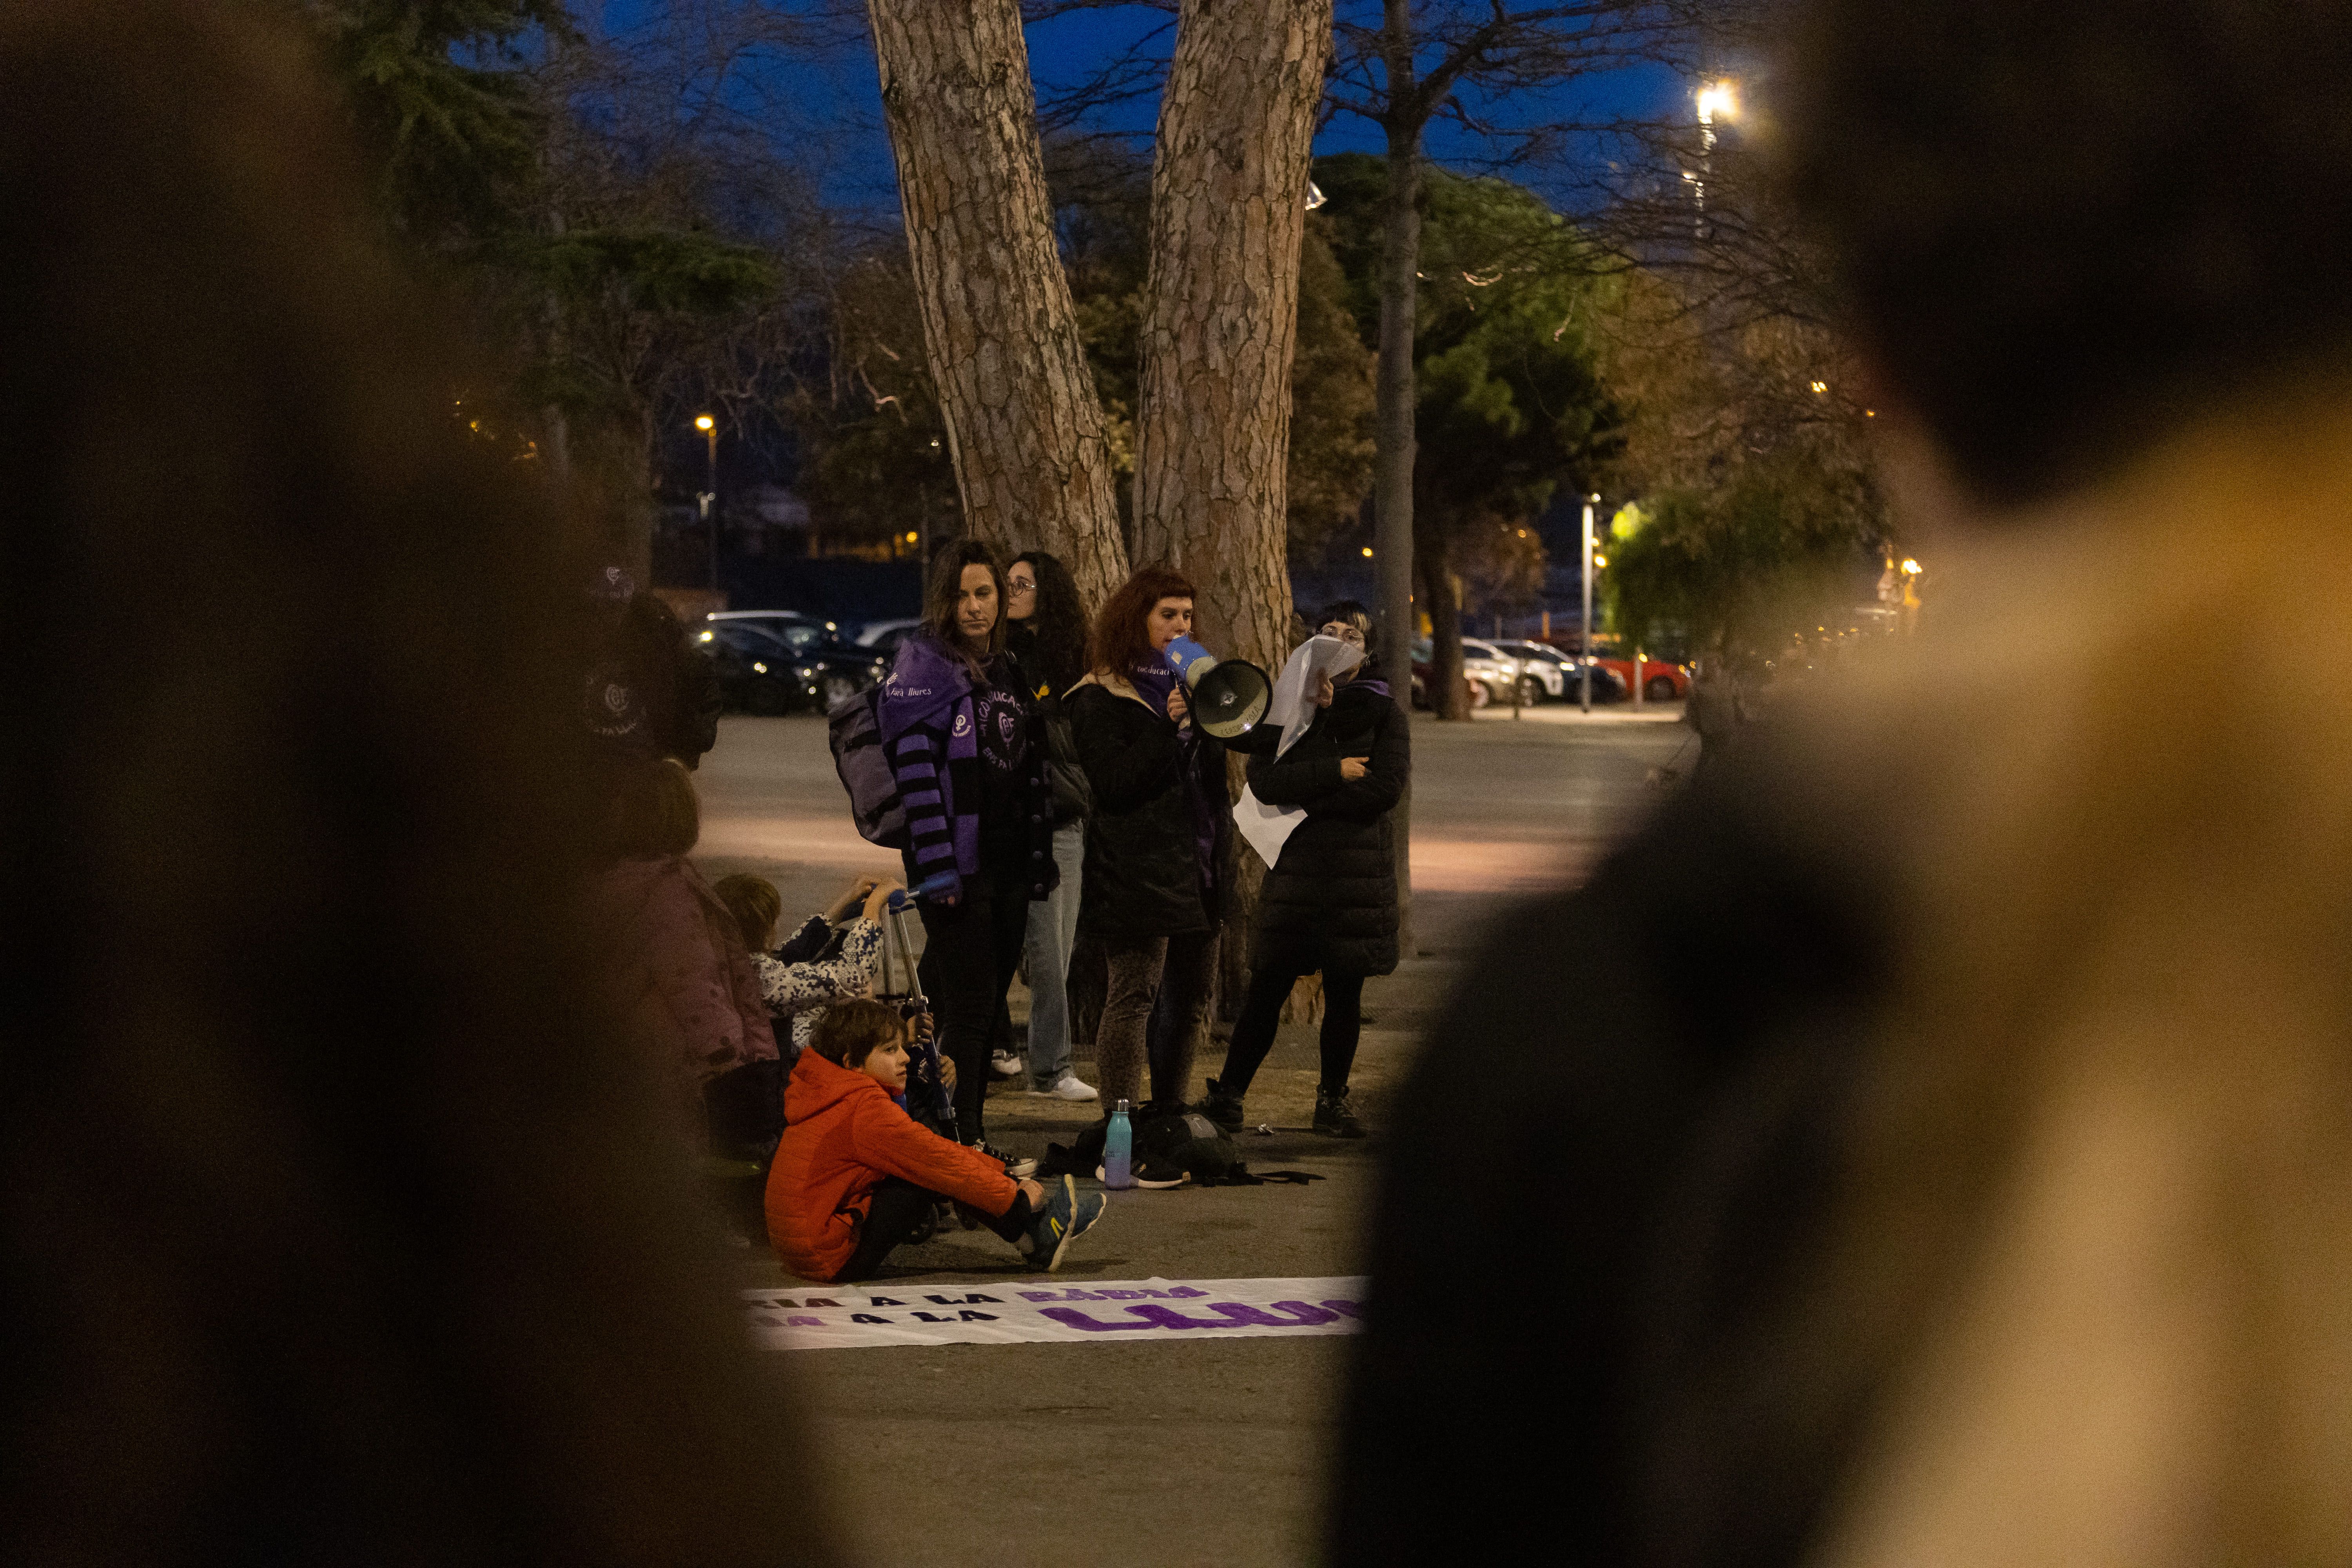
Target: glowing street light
(1717, 100)
(709, 497)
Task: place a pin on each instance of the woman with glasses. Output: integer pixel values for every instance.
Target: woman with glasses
(1046, 636)
(1330, 902)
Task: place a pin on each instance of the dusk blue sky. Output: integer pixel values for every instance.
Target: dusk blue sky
(830, 104)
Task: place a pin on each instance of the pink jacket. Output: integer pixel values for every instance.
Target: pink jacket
(685, 976)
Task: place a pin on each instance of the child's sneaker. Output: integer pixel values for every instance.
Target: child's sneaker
(1067, 1214)
(1020, 1167)
(1224, 1109)
(1334, 1116)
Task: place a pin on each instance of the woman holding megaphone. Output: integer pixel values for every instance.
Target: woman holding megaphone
(1152, 842)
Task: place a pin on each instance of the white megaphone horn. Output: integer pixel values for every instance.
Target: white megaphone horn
(1228, 696)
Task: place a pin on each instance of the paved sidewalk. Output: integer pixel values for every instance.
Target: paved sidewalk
(1173, 1453)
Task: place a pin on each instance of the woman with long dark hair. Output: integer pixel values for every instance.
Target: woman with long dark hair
(1152, 840)
(1047, 638)
(1330, 901)
(962, 738)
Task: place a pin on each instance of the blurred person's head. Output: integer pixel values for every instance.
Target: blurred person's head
(864, 1037)
(756, 906)
(342, 1222)
(2062, 231)
(1141, 617)
(652, 810)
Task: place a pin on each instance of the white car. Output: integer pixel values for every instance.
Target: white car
(884, 636)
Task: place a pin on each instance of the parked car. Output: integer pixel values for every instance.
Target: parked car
(791, 627)
(1661, 681)
(760, 671)
(1487, 675)
(884, 636)
(1554, 674)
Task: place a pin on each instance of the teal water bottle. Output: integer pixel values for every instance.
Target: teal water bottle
(1118, 1151)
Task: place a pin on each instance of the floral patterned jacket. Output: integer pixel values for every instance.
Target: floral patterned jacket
(800, 991)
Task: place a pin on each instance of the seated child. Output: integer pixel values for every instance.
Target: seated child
(855, 1176)
(797, 980)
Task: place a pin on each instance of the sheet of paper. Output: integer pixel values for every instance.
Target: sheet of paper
(1293, 707)
(1265, 827)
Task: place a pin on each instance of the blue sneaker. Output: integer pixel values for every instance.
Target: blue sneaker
(1066, 1214)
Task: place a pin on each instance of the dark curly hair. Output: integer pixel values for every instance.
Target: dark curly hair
(2063, 229)
(1056, 651)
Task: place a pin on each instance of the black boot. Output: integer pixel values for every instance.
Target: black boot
(1334, 1116)
(1224, 1109)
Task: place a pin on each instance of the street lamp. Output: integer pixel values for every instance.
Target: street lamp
(1584, 623)
(709, 496)
(1718, 99)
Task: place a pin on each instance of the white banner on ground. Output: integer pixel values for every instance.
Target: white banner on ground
(1027, 1312)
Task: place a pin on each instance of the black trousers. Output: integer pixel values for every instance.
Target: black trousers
(1270, 983)
(900, 1205)
(971, 950)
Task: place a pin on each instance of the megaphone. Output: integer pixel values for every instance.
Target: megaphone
(1228, 696)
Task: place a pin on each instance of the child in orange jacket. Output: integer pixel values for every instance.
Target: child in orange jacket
(855, 1176)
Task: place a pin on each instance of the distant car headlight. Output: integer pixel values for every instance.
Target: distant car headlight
(758, 669)
(808, 672)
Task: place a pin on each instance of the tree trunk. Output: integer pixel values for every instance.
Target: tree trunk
(1212, 433)
(1228, 212)
(1440, 594)
(1395, 395)
(1023, 424)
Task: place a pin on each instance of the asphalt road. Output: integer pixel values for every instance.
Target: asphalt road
(1171, 1453)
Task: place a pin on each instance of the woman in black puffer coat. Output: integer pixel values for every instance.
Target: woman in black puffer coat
(1330, 902)
(1160, 818)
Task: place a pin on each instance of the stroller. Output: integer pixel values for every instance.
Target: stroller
(928, 1099)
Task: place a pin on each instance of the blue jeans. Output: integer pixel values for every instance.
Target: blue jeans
(1053, 932)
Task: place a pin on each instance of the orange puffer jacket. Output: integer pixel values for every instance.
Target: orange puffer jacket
(843, 1134)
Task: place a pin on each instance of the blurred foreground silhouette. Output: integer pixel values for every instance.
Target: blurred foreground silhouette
(339, 1224)
(1930, 1140)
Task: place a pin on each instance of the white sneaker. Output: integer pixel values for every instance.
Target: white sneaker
(1007, 1064)
(1072, 1086)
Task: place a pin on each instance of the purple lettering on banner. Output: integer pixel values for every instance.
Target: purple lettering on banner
(1039, 1295)
(882, 1301)
(927, 1318)
(1075, 1294)
(1125, 1295)
(1347, 1309)
(1169, 1318)
(942, 1300)
(867, 1318)
(1186, 1292)
(968, 1316)
(804, 1322)
(976, 1296)
(1303, 1316)
(1070, 1317)
(822, 1302)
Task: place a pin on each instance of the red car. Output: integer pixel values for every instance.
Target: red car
(1661, 681)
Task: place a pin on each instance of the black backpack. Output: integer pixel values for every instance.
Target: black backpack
(854, 729)
(1187, 1141)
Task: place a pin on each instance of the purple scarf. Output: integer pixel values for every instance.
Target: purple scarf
(930, 689)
